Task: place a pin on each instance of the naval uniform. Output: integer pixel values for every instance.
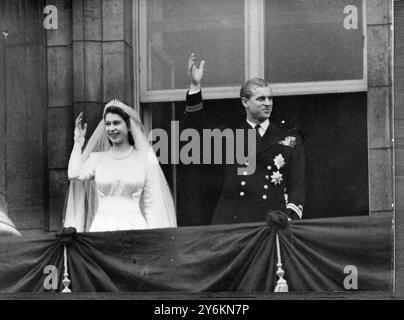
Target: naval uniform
(275, 182)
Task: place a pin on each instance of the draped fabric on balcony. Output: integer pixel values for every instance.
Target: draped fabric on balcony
(315, 254)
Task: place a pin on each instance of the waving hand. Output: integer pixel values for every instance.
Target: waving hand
(195, 73)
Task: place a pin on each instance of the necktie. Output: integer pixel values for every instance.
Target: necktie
(259, 138)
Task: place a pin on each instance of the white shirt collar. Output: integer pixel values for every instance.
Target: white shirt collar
(263, 125)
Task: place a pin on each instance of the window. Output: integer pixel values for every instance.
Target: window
(301, 47)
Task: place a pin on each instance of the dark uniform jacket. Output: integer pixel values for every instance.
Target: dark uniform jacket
(277, 181)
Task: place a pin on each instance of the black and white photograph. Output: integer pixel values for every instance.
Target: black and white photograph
(181, 149)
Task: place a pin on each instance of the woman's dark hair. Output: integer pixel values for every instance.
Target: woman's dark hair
(125, 117)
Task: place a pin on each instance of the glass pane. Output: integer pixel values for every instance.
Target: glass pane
(213, 30)
(313, 40)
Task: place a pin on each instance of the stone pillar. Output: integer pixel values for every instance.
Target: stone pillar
(399, 141)
(380, 115)
(102, 56)
(60, 110)
(23, 114)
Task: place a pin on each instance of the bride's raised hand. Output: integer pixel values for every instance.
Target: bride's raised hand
(79, 130)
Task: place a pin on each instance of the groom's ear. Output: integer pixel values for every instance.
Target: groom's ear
(244, 101)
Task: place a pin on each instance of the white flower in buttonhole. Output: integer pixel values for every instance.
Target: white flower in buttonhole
(279, 161)
(276, 178)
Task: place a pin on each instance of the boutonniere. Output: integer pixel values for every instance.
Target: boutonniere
(289, 141)
(279, 161)
(276, 178)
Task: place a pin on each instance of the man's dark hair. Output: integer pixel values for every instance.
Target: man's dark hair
(247, 88)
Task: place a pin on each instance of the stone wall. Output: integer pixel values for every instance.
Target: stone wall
(380, 115)
(23, 114)
(399, 141)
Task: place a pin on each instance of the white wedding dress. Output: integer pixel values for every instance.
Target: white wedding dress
(127, 191)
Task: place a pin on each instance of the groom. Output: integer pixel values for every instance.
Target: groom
(278, 182)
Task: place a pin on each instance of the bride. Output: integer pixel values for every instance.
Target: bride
(117, 182)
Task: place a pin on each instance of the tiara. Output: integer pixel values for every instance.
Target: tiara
(116, 103)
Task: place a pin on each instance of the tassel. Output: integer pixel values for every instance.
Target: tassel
(281, 284)
(66, 280)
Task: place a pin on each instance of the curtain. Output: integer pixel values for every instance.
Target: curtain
(317, 255)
